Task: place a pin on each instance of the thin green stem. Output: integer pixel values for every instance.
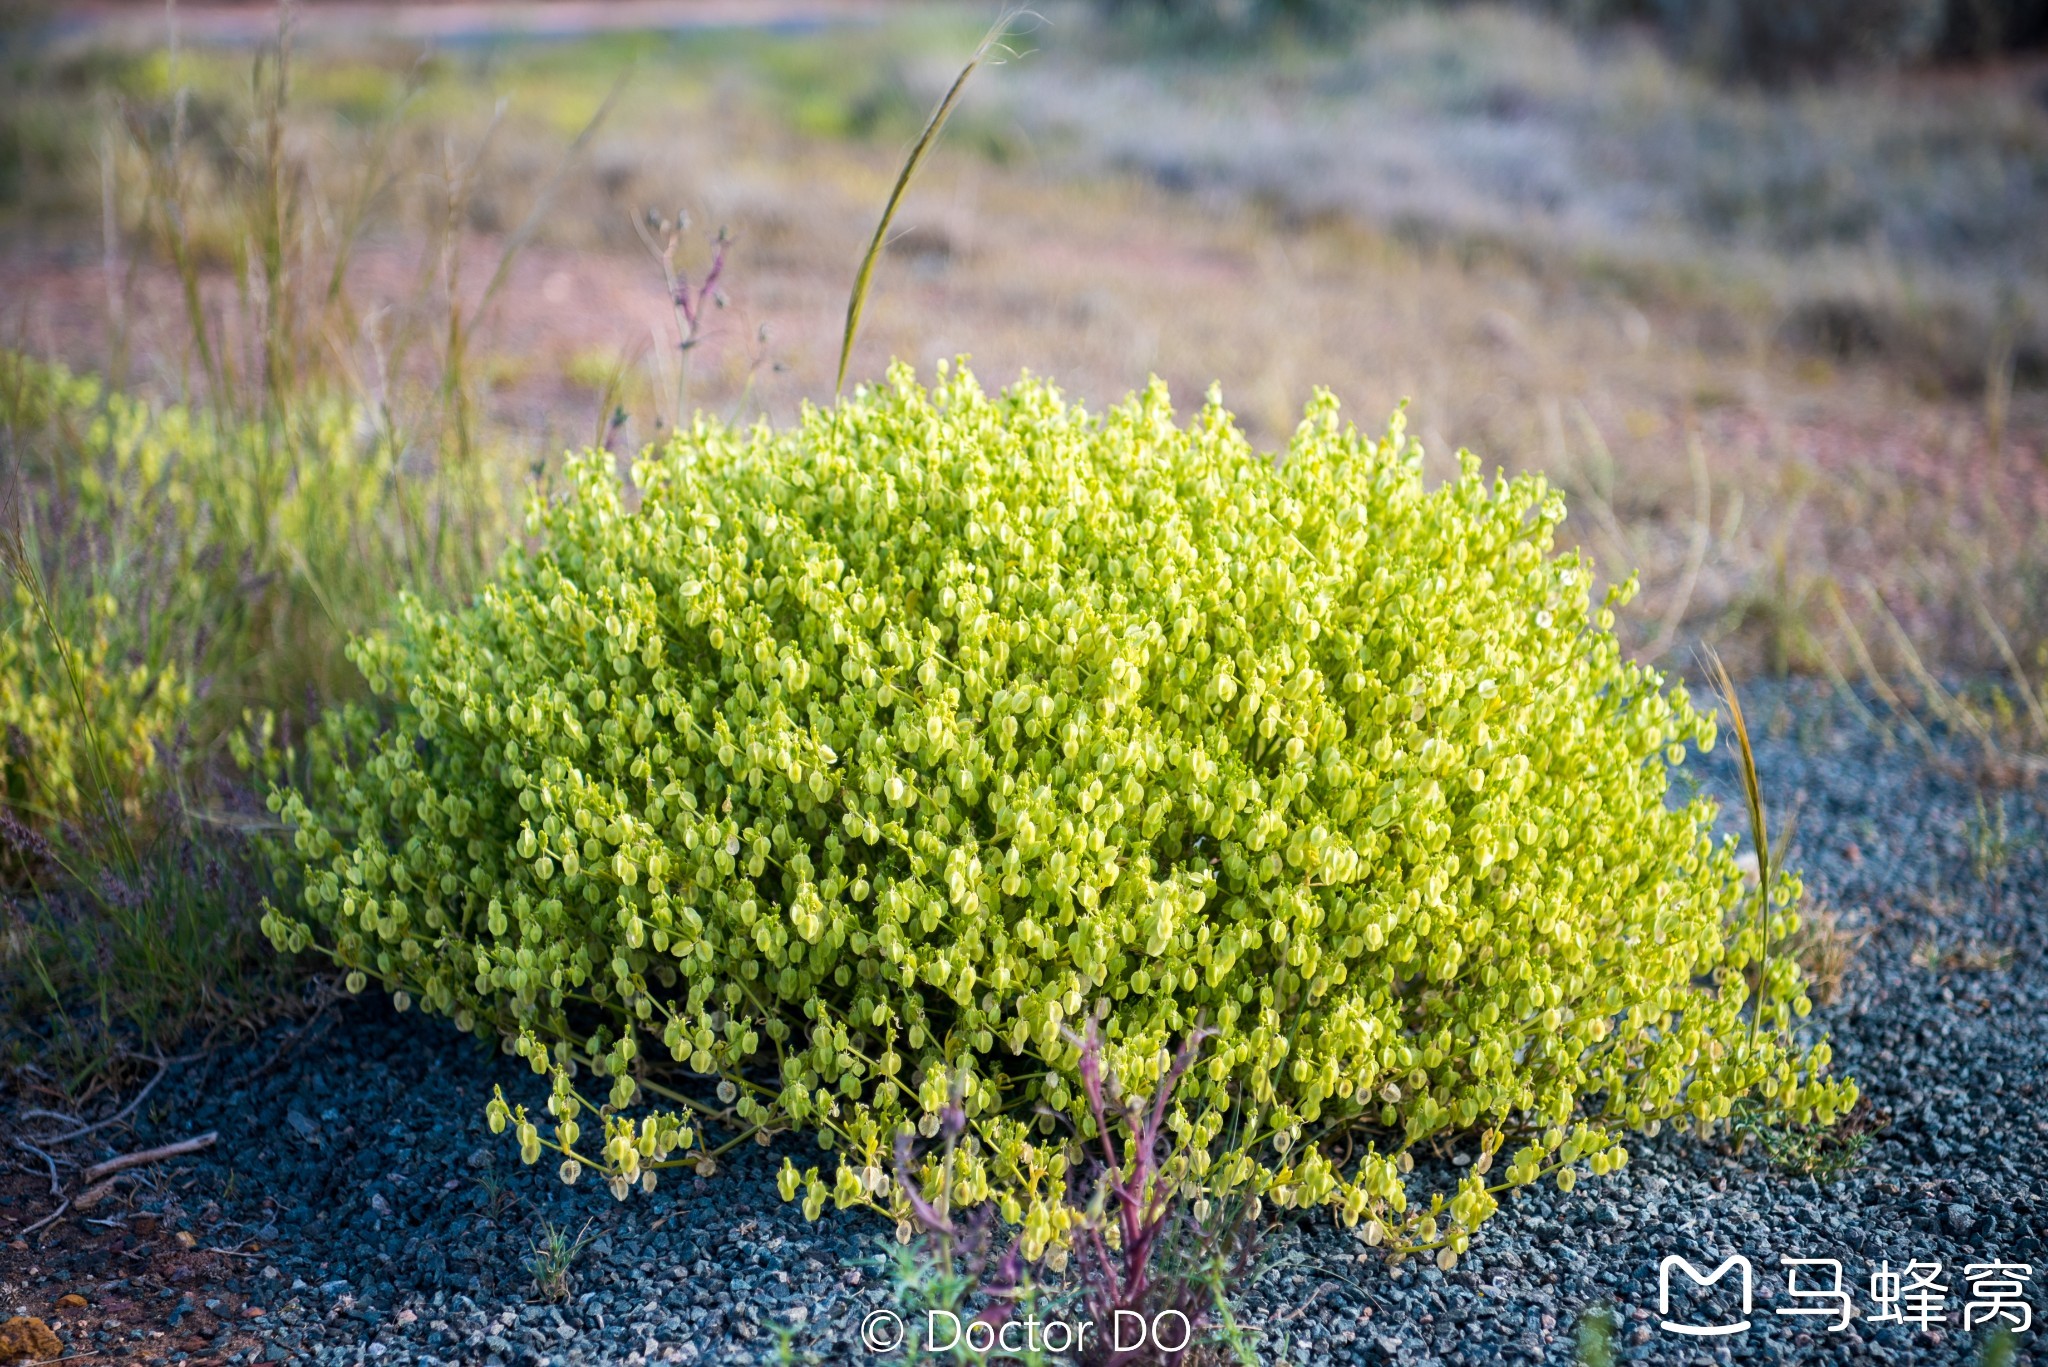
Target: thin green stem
(863, 279)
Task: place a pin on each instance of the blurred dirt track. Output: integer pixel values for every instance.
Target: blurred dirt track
(455, 22)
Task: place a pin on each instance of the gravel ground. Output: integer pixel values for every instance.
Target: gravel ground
(372, 1218)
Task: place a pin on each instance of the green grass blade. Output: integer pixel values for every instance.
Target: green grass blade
(864, 278)
(1759, 832)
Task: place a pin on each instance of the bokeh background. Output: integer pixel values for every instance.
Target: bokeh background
(299, 304)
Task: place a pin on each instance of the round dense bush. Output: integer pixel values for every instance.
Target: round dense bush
(853, 762)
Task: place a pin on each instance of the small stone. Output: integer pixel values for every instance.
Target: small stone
(26, 1337)
(185, 1239)
(71, 1301)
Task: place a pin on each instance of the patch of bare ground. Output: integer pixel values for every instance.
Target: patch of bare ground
(140, 1277)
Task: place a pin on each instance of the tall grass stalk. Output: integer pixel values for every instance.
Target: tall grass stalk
(274, 214)
(1759, 834)
(863, 279)
(2034, 700)
(1876, 677)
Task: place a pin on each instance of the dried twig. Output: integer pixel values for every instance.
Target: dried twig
(156, 1155)
(298, 1036)
(95, 1194)
(49, 1219)
(163, 1067)
(56, 1187)
(64, 1116)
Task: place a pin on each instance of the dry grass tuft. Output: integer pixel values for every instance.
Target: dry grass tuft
(1824, 946)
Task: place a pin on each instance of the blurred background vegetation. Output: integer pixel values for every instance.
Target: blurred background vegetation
(1751, 40)
(299, 307)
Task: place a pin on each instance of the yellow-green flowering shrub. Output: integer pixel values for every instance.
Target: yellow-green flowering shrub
(853, 762)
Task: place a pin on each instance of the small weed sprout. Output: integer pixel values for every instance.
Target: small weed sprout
(2001, 1348)
(551, 1259)
(498, 1194)
(1822, 1152)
